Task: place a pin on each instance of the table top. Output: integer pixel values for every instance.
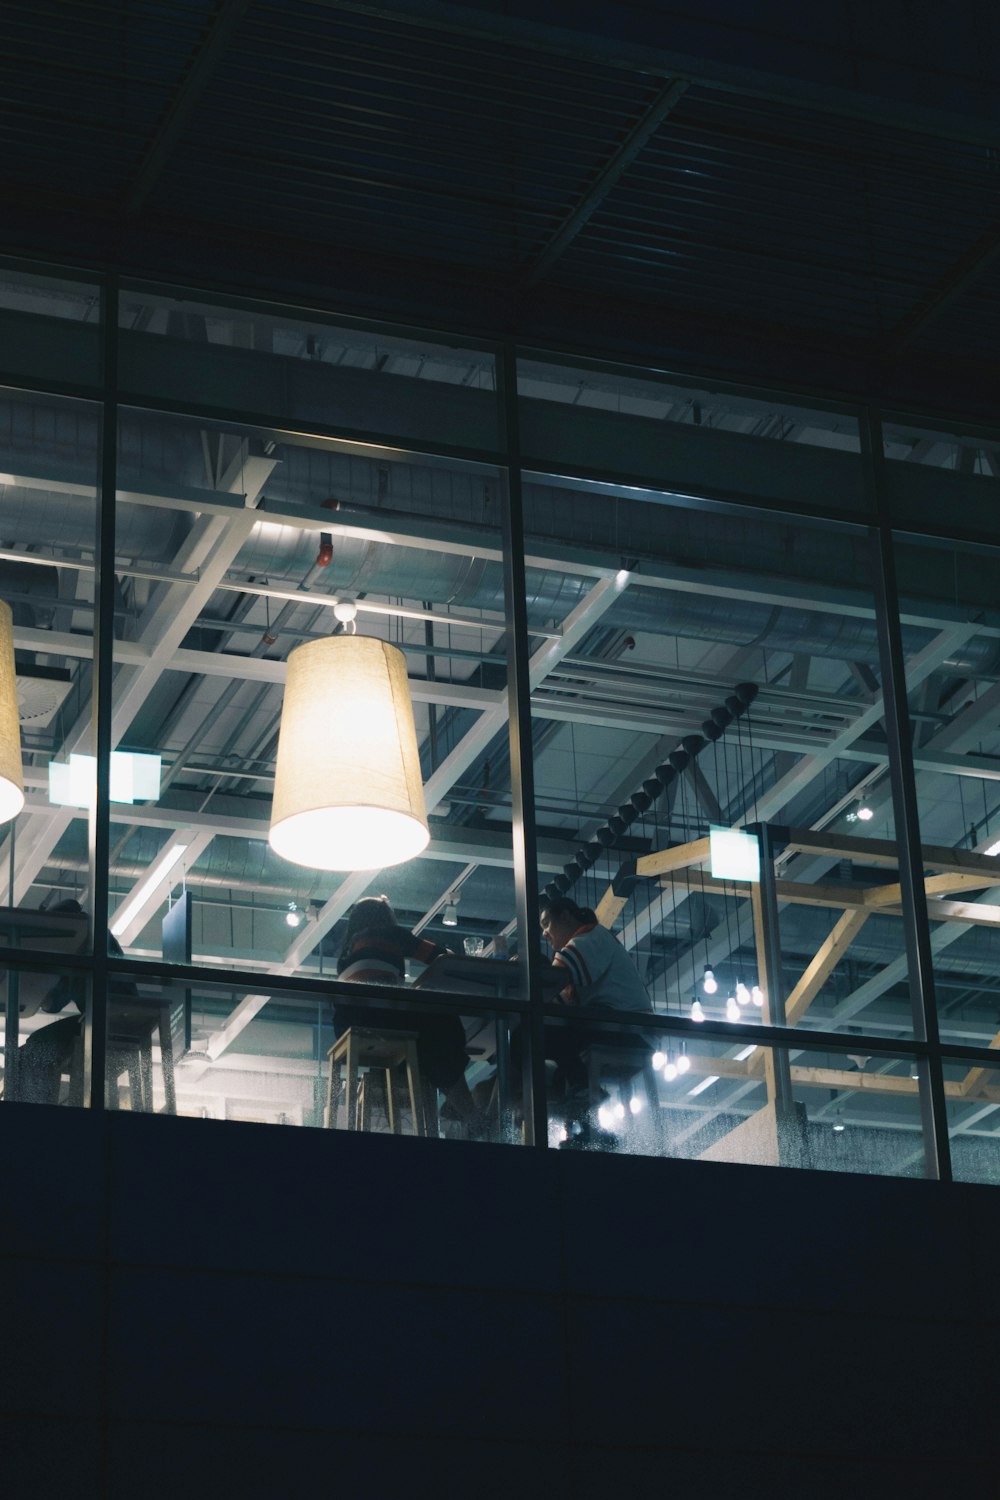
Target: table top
(456, 972)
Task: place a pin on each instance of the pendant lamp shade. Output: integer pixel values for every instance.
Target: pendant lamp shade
(348, 793)
(11, 774)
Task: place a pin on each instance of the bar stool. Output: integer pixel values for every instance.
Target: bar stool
(375, 1052)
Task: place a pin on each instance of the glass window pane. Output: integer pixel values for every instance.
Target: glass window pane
(973, 1103)
(49, 329)
(951, 635)
(41, 1013)
(660, 1093)
(938, 478)
(284, 366)
(48, 505)
(702, 440)
(316, 1059)
(714, 669)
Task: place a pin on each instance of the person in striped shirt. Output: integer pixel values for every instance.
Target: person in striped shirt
(599, 972)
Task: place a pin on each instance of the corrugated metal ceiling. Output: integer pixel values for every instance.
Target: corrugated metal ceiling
(497, 158)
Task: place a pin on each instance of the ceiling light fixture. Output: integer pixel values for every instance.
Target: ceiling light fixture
(709, 983)
(732, 1009)
(348, 793)
(293, 916)
(697, 1010)
(450, 916)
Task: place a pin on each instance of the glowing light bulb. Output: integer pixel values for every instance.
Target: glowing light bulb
(683, 1063)
(732, 1009)
(293, 916)
(605, 1117)
(659, 1058)
(864, 813)
(838, 1127)
(450, 915)
(697, 1011)
(742, 993)
(757, 996)
(709, 984)
(670, 1072)
(635, 1104)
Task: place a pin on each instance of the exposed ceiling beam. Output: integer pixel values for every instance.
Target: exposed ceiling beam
(620, 159)
(192, 86)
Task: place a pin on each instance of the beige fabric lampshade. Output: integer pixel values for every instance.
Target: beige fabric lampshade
(348, 793)
(11, 774)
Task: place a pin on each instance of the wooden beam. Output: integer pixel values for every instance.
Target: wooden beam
(885, 852)
(681, 857)
(820, 968)
(935, 885)
(975, 1076)
(610, 908)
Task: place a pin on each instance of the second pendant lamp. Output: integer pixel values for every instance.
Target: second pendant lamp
(348, 793)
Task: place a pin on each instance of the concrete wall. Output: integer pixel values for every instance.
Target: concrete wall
(198, 1309)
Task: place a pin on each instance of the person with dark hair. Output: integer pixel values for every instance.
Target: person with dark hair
(374, 951)
(599, 972)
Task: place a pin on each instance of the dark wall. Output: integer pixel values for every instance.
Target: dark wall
(196, 1309)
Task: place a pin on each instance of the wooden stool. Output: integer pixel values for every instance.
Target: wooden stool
(375, 1051)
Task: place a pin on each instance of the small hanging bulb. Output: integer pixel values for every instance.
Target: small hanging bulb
(757, 996)
(732, 1009)
(742, 993)
(683, 1063)
(659, 1058)
(293, 916)
(670, 1071)
(619, 1110)
(697, 1010)
(709, 983)
(635, 1104)
(864, 813)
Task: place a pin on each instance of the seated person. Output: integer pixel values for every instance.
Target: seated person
(374, 951)
(599, 972)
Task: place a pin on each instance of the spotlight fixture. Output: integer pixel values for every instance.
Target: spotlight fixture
(293, 916)
(709, 982)
(449, 917)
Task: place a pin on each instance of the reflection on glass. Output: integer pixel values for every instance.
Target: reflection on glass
(948, 597)
(972, 1093)
(696, 1097)
(362, 1060)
